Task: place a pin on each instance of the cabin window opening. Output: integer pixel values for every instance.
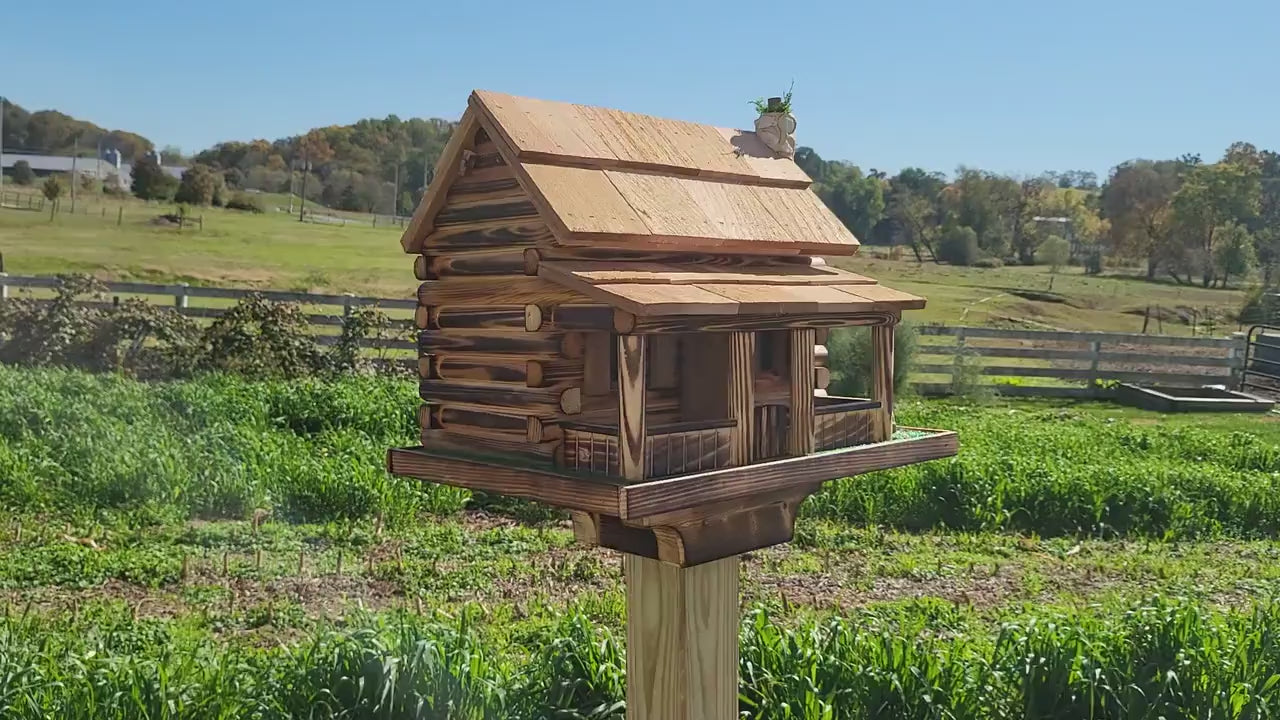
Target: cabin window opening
(771, 353)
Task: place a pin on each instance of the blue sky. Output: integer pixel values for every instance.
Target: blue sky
(1016, 86)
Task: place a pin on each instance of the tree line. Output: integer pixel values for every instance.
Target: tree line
(1206, 223)
(1183, 218)
(50, 132)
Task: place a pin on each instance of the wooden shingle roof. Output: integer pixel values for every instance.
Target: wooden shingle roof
(655, 290)
(557, 133)
(635, 185)
(610, 179)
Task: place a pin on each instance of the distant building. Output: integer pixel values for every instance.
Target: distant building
(98, 168)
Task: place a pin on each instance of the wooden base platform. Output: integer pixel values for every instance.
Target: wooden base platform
(685, 520)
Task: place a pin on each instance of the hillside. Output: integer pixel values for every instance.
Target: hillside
(50, 132)
(1197, 223)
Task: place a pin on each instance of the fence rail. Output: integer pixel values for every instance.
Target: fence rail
(1016, 362)
(21, 201)
(180, 296)
(1019, 362)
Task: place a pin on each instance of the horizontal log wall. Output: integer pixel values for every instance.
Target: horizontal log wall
(491, 384)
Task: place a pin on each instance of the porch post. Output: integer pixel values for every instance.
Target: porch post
(882, 379)
(631, 420)
(801, 341)
(742, 401)
(682, 623)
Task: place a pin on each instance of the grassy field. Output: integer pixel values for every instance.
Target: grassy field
(275, 251)
(1073, 561)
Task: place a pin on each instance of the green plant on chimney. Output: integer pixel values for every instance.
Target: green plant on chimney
(762, 104)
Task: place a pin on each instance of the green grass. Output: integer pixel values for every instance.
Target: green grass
(273, 250)
(1074, 561)
(1112, 302)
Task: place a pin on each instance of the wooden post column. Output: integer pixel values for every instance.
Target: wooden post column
(682, 640)
(682, 623)
(741, 395)
(631, 411)
(882, 380)
(800, 440)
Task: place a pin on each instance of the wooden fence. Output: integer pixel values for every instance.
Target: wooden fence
(21, 201)
(333, 308)
(1012, 362)
(1069, 364)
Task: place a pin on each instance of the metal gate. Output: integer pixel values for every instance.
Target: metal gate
(1261, 373)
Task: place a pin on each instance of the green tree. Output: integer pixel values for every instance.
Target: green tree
(913, 211)
(1054, 251)
(855, 198)
(1138, 202)
(1212, 197)
(1234, 253)
(22, 173)
(916, 221)
(987, 203)
(959, 245)
(200, 185)
(151, 182)
(52, 188)
(1266, 228)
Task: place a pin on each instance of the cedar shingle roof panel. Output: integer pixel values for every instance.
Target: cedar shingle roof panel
(630, 210)
(656, 290)
(567, 134)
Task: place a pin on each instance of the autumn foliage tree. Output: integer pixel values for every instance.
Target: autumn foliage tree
(199, 185)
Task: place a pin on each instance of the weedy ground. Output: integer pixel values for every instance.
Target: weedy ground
(225, 548)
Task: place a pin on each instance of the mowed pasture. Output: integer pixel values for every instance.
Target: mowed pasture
(275, 251)
(228, 548)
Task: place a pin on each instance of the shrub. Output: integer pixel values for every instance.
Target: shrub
(256, 337)
(1054, 252)
(1093, 262)
(850, 358)
(51, 189)
(199, 186)
(246, 202)
(150, 181)
(23, 174)
(989, 263)
(958, 246)
(1259, 307)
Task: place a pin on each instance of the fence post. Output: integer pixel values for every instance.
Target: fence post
(956, 359)
(348, 304)
(120, 216)
(4, 287)
(1096, 348)
(1236, 358)
(180, 297)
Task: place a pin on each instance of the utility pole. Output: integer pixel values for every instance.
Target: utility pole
(302, 199)
(75, 150)
(293, 167)
(1, 147)
(395, 197)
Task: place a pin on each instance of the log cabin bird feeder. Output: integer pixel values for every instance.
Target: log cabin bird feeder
(625, 316)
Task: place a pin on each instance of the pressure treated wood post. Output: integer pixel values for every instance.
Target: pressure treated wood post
(682, 623)
(882, 380)
(682, 640)
(800, 439)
